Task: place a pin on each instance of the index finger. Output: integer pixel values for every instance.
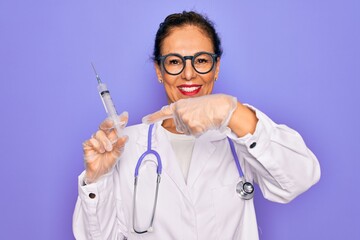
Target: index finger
(166, 112)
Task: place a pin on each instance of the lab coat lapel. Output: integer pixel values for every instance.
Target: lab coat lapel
(203, 151)
(170, 165)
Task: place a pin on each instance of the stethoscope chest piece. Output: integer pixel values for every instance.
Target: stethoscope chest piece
(245, 190)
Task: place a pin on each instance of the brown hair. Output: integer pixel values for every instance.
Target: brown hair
(182, 19)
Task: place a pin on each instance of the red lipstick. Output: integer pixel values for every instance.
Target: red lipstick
(189, 90)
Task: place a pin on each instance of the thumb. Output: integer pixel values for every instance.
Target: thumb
(166, 112)
(109, 123)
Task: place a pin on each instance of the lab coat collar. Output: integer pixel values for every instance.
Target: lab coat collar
(203, 149)
(159, 134)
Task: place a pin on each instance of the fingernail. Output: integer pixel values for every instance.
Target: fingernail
(108, 147)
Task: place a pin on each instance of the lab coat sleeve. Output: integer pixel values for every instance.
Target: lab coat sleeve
(277, 159)
(95, 215)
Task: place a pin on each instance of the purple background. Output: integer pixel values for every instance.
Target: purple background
(298, 61)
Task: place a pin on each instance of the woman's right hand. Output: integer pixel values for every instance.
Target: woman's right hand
(103, 149)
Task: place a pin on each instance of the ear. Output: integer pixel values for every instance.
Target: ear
(158, 71)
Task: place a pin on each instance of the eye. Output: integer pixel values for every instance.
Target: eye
(174, 61)
(201, 60)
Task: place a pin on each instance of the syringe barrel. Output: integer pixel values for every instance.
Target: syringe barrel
(110, 107)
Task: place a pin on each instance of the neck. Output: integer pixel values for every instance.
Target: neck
(169, 125)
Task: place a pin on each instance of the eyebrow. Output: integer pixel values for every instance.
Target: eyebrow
(211, 52)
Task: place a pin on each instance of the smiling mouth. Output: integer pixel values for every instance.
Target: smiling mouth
(189, 89)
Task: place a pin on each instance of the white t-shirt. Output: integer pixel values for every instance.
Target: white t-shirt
(183, 146)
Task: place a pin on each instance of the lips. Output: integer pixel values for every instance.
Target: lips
(189, 90)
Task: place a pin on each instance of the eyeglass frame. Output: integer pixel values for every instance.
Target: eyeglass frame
(184, 58)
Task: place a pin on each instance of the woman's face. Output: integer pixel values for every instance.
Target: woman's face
(187, 41)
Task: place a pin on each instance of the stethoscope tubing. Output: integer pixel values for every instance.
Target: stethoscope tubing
(237, 162)
(149, 151)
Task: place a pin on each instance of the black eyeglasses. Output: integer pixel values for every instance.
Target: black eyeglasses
(202, 62)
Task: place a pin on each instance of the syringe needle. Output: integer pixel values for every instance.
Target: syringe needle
(97, 76)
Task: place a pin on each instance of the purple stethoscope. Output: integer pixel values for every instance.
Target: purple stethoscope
(244, 189)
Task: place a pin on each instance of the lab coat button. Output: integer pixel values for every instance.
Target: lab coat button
(253, 145)
(92, 195)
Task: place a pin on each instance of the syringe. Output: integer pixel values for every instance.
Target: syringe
(108, 104)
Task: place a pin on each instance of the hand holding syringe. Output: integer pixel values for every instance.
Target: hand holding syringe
(103, 149)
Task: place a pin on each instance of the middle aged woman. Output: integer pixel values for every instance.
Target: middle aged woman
(197, 197)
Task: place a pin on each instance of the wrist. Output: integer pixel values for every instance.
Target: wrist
(243, 120)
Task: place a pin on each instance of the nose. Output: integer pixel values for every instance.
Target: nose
(188, 72)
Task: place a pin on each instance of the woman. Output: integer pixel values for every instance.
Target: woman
(198, 192)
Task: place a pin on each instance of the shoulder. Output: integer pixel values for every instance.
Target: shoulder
(137, 133)
(136, 142)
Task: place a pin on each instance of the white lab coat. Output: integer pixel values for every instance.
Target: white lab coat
(207, 207)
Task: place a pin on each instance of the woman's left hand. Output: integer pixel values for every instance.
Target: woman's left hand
(194, 116)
